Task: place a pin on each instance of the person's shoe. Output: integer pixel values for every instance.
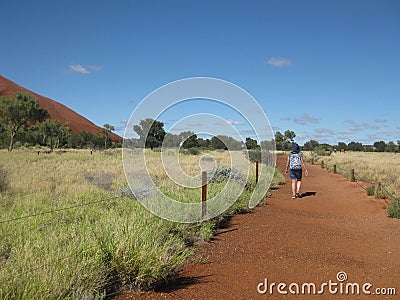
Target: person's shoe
(298, 195)
(294, 197)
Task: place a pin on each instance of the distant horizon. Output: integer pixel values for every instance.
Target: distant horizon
(328, 71)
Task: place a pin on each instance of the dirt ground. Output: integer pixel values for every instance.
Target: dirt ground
(335, 228)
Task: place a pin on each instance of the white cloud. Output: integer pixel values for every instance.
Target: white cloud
(286, 118)
(306, 119)
(351, 122)
(388, 132)
(279, 62)
(325, 131)
(380, 120)
(368, 126)
(78, 68)
(230, 122)
(355, 126)
(95, 68)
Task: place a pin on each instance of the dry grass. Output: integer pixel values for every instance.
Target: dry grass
(368, 166)
(105, 243)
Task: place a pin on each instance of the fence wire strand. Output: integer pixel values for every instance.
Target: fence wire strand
(64, 209)
(358, 178)
(57, 210)
(71, 207)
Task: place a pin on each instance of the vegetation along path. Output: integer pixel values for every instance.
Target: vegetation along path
(307, 240)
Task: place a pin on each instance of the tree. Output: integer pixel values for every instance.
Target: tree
(203, 143)
(390, 147)
(380, 146)
(185, 135)
(283, 141)
(85, 139)
(269, 145)
(289, 136)
(151, 132)
(398, 145)
(107, 129)
(191, 142)
(355, 146)
(217, 143)
(231, 143)
(171, 140)
(342, 145)
(19, 111)
(53, 133)
(47, 130)
(310, 145)
(280, 141)
(251, 143)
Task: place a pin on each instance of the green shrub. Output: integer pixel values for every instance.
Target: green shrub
(224, 173)
(370, 190)
(103, 181)
(394, 209)
(322, 151)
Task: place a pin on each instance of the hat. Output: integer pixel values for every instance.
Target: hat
(295, 148)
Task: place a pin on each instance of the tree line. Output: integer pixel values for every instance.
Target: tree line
(152, 135)
(283, 142)
(24, 123)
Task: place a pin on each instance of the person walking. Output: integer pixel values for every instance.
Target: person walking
(295, 163)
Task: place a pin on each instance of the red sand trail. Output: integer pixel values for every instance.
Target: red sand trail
(307, 240)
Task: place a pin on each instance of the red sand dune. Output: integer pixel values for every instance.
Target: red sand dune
(57, 111)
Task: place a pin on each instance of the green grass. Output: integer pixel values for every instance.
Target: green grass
(65, 234)
(370, 190)
(394, 209)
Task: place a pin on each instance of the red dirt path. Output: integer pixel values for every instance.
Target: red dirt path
(297, 241)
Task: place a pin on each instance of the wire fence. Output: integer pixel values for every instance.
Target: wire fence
(55, 211)
(379, 186)
(111, 281)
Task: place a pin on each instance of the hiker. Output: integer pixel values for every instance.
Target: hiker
(295, 162)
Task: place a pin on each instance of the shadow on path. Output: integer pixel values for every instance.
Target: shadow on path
(307, 194)
(180, 282)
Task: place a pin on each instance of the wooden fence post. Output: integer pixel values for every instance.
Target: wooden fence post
(352, 177)
(203, 194)
(322, 164)
(334, 169)
(256, 171)
(377, 190)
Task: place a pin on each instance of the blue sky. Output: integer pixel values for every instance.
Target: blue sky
(329, 70)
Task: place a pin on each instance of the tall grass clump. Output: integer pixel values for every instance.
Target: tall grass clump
(4, 180)
(394, 209)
